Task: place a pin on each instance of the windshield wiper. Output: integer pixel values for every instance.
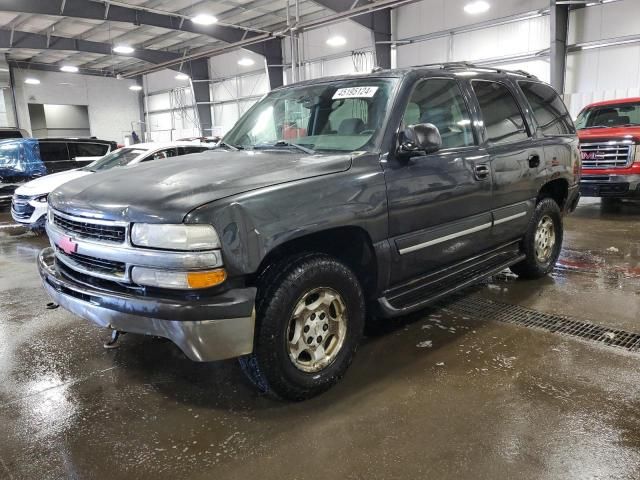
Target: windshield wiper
(282, 143)
(229, 146)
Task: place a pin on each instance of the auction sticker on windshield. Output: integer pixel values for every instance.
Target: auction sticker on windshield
(355, 92)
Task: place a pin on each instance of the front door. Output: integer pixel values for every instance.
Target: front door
(439, 204)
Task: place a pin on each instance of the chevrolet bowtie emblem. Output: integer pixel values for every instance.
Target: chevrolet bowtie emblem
(67, 245)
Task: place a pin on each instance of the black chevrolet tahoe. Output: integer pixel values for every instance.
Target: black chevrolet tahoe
(331, 203)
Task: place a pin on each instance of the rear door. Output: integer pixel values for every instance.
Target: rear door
(516, 157)
(439, 204)
(555, 128)
(55, 156)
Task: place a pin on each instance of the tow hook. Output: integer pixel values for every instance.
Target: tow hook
(113, 342)
(52, 306)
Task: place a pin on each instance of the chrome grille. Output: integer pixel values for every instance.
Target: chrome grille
(92, 264)
(606, 154)
(87, 229)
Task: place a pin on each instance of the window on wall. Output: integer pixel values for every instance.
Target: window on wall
(548, 109)
(501, 115)
(439, 101)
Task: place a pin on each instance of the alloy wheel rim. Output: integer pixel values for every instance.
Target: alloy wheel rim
(545, 239)
(317, 329)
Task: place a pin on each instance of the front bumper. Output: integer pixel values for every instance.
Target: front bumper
(610, 185)
(32, 214)
(205, 330)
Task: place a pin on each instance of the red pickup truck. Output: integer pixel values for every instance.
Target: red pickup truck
(609, 135)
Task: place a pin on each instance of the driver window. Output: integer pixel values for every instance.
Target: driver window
(439, 101)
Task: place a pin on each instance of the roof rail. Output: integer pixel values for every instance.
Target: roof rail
(457, 65)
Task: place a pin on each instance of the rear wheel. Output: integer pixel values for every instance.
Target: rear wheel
(542, 242)
(310, 318)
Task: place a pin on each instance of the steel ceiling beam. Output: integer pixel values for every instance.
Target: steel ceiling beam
(96, 10)
(35, 41)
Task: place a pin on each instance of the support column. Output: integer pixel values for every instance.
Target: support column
(272, 52)
(199, 70)
(558, 52)
(381, 29)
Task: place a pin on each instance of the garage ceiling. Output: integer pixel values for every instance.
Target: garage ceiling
(259, 15)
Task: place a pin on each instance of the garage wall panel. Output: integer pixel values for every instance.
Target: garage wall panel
(430, 16)
(111, 105)
(430, 51)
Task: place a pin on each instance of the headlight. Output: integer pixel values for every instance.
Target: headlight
(175, 237)
(636, 154)
(178, 280)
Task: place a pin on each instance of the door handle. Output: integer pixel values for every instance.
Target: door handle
(534, 160)
(481, 171)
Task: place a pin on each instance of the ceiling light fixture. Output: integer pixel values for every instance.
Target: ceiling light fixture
(336, 41)
(182, 76)
(204, 19)
(123, 49)
(246, 62)
(476, 7)
(32, 81)
(135, 88)
(69, 69)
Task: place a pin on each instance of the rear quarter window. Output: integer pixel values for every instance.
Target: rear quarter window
(88, 149)
(548, 109)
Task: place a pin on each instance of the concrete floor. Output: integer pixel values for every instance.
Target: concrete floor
(485, 400)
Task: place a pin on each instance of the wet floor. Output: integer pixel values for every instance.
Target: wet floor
(441, 396)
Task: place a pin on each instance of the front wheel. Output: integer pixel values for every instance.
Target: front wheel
(310, 320)
(542, 242)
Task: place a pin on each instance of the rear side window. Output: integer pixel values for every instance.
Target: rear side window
(88, 149)
(188, 150)
(53, 151)
(500, 112)
(548, 109)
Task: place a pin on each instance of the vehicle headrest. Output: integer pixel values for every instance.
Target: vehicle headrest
(351, 126)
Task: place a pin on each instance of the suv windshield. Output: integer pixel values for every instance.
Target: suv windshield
(338, 116)
(625, 114)
(119, 158)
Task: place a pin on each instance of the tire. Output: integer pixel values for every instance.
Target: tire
(611, 203)
(540, 262)
(283, 362)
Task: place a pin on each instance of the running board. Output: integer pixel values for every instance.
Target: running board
(418, 293)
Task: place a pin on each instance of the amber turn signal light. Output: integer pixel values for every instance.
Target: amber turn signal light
(206, 279)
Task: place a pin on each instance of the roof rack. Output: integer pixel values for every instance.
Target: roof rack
(459, 65)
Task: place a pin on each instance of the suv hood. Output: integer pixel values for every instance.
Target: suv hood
(610, 133)
(44, 185)
(165, 191)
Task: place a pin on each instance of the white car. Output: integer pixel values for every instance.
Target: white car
(29, 202)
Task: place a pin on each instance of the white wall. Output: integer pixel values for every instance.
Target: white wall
(235, 88)
(111, 105)
(169, 107)
(604, 73)
(504, 45)
(430, 16)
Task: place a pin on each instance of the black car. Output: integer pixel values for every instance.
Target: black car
(23, 159)
(330, 203)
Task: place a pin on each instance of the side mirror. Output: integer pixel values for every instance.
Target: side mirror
(422, 137)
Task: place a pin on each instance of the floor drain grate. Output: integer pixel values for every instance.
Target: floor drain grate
(483, 309)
